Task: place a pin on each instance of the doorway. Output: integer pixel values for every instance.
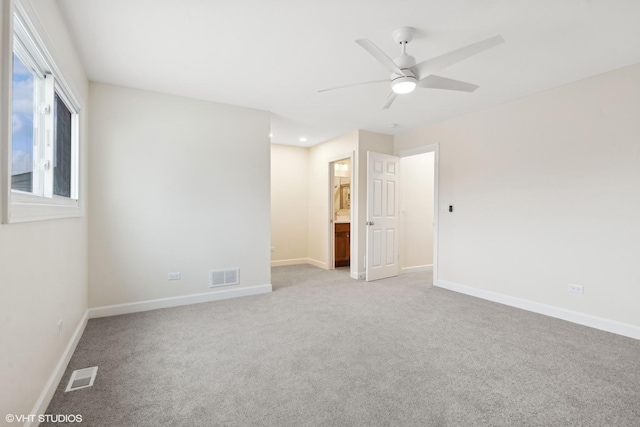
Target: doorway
(419, 210)
(340, 211)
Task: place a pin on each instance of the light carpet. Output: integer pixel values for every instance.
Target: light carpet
(326, 350)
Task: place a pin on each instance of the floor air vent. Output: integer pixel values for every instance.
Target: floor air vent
(224, 277)
(82, 378)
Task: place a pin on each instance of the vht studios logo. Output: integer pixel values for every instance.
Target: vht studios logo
(44, 418)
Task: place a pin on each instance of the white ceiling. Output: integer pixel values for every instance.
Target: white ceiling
(275, 55)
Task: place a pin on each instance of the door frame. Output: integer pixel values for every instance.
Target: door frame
(331, 260)
(435, 149)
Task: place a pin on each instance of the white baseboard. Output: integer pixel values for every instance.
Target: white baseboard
(317, 263)
(416, 268)
(297, 261)
(293, 261)
(134, 307)
(612, 326)
(358, 275)
(51, 386)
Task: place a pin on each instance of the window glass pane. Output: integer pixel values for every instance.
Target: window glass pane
(22, 127)
(62, 151)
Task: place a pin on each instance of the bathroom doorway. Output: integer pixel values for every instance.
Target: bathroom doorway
(340, 209)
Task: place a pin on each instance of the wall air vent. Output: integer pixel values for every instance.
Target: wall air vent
(82, 378)
(224, 277)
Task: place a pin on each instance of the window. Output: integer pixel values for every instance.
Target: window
(62, 151)
(44, 137)
(22, 109)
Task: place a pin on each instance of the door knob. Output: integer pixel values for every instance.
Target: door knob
(369, 223)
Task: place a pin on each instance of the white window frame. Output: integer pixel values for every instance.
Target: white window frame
(20, 34)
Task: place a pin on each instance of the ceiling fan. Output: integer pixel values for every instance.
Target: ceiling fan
(406, 75)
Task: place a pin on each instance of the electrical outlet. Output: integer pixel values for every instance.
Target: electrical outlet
(576, 289)
(60, 324)
(174, 275)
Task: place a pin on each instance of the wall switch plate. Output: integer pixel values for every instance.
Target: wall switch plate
(576, 289)
(174, 275)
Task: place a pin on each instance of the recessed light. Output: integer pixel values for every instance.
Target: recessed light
(270, 135)
(303, 139)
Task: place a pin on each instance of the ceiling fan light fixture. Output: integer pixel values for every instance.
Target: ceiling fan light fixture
(403, 85)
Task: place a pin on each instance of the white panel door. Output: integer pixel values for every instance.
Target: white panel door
(382, 216)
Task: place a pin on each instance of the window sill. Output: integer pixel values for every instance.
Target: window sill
(25, 208)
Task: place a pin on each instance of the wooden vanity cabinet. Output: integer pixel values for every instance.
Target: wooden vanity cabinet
(342, 244)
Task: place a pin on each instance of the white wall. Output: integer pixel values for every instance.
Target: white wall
(546, 192)
(416, 211)
(289, 203)
(43, 265)
(177, 185)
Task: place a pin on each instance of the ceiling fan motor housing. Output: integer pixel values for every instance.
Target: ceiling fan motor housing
(405, 61)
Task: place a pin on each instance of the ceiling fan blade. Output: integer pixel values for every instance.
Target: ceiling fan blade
(438, 63)
(437, 82)
(354, 84)
(390, 98)
(382, 58)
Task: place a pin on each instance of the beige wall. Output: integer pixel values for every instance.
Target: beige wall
(177, 185)
(546, 192)
(416, 210)
(289, 202)
(43, 265)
